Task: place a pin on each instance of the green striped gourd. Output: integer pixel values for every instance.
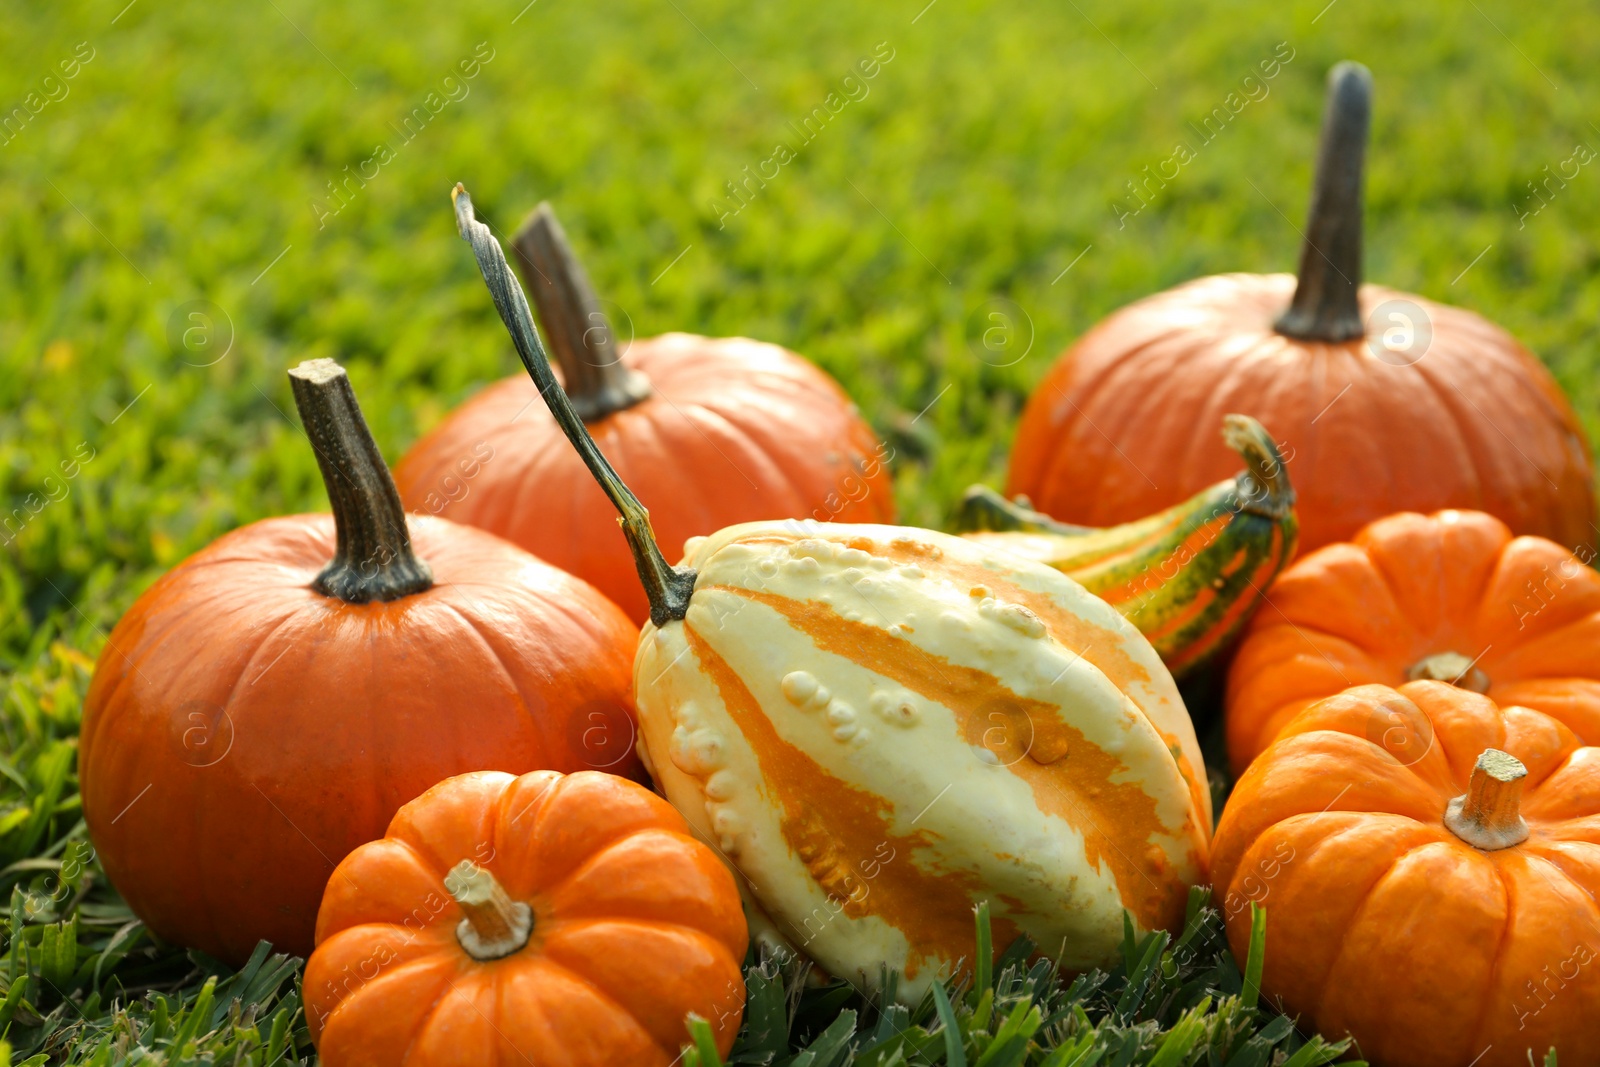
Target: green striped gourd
(1188, 577)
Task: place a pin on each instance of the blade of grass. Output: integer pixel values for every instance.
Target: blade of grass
(983, 964)
(705, 1043)
(954, 1053)
(1257, 955)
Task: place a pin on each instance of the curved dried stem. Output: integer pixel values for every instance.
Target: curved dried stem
(667, 587)
(1263, 485)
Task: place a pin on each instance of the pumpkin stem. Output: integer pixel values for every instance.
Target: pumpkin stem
(667, 587)
(1486, 816)
(1326, 305)
(495, 925)
(580, 335)
(1450, 667)
(1263, 486)
(373, 559)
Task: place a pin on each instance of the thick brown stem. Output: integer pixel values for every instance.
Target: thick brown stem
(495, 925)
(1487, 815)
(1326, 303)
(578, 331)
(1450, 667)
(668, 588)
(373, 559)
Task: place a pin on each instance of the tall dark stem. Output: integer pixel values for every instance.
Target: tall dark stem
(373, 559)
(668, 588)
(1326, 305)
(579, 333)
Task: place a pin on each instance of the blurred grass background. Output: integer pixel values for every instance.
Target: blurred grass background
(188, 157)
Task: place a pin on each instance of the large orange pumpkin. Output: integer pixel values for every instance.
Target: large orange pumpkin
(260, 711)
(1451, 596)
(714, 430)
(1383, 401)
(534, 920)
(1429, 864)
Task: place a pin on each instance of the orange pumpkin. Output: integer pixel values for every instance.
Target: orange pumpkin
(716, 430)
(1452, 596)
(259, 711)
(541, 920)
(1429, 865)
(1382, 401)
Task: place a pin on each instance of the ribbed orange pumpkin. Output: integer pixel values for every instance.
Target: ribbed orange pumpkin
(1452, 596)
(1429, 864)
(259, 711)
(534, 920)
(1381, 400)
(715, 431)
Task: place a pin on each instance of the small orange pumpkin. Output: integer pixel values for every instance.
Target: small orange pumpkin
(260, 711)
(1383, 401)
(543, 919)
(1451, 596)
(1429, 864)
(715, 431)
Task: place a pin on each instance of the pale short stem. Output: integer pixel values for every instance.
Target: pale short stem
(372, 559)
(1488, 814)
(574, 323)
(667, 588)
(495, 925)
(1451, 667)
(1326, 304)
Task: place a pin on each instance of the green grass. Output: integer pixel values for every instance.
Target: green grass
(188, 152)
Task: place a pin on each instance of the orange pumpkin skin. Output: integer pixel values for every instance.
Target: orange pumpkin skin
(1381, 922)
(735, 431)
(1098, 444)
(1524, 611)
(635, 924)
(243, 732)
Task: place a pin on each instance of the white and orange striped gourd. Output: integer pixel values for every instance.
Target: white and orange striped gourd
(881, 726)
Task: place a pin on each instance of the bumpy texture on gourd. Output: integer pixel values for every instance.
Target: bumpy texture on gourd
(881, 726)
